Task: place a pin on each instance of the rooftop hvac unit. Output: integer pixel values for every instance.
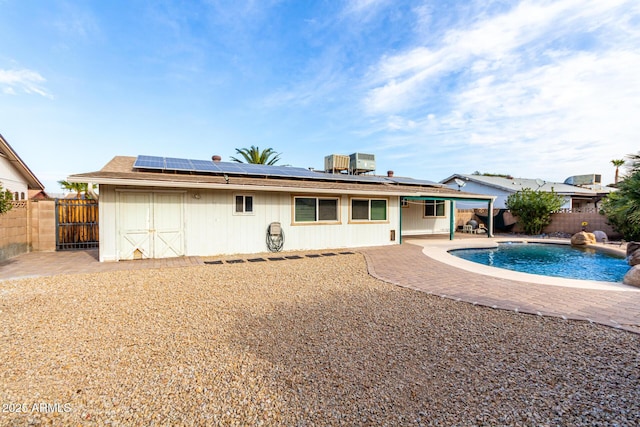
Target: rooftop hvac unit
(360, 162)
(336, 163)
(590, 179)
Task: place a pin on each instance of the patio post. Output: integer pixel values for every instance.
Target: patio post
(452, 219)
(490, 219)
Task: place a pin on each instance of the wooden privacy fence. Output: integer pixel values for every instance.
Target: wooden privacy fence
(76, 224)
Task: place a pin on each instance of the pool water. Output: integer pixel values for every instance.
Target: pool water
(550, 260)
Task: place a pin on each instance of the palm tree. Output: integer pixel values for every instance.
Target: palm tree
(267, 156)
(617, 163)
(77, 187)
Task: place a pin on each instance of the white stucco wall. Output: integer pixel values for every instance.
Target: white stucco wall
(12, 179)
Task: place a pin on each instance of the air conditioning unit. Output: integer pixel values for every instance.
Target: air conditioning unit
(336, 163)
(579, 180)
(360, 162)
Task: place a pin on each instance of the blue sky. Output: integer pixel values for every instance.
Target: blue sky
(544, 89)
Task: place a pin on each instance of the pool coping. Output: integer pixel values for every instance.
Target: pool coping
(439, 251)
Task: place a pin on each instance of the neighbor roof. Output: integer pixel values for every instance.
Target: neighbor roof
(33, 183)
(121, 171)
(519, 184)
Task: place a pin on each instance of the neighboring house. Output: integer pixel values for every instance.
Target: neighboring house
(156, 207)
(15, 176)
(575, 197)
(19, 227)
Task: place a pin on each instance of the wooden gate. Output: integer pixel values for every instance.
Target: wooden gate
(76, 224)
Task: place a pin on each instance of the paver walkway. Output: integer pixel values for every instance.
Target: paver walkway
(404, 265)
(70, 262)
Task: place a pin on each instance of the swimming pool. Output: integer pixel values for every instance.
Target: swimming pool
(550, 260)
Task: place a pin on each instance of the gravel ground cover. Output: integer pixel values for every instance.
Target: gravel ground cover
(300, 342)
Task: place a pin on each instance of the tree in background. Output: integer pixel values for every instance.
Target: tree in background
(534, 208)
(267, 156)
(622, 207)
(5, 200)
(617, 163)
(79, 188)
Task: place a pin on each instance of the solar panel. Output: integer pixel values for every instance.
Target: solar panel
(178, 164)
(411, 181)
(149, 162)
(204, 166)
(249, 169)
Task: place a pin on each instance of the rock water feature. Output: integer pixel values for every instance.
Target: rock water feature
(583, 238)
(633, 258)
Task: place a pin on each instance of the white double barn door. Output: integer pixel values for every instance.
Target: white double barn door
(150, 224)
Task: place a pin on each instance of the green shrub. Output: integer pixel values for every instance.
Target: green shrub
(534, 208)
(5, 200)
(622, 207)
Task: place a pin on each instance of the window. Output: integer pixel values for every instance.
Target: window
(404, 202)
(22, 196)
(368, 209)
(244, 204)
(313, 209)
(433, 208)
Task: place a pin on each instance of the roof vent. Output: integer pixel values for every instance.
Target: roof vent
(216, 158)
(390, 174)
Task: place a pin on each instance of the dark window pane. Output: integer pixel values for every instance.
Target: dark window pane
(239, 203)
(305, 209)
(440, 208)
(327, 210)
(429, 208)
(359, 209)
(248, 204)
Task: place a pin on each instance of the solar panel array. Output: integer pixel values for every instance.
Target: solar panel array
(249, 169)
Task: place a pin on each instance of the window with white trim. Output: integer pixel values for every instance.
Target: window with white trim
(368, 209)
(243, 204)
(315, 209)
(434, 208)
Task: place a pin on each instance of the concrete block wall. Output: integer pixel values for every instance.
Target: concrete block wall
(572, 223)
(14, 232)
(43, 225)
(561, 222)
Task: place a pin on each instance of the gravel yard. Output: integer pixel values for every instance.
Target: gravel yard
(310, 341)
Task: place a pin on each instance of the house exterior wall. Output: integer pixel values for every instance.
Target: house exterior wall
(501, 195)
(12, 179)
(477, 188)
(211, 226)
(415, 223)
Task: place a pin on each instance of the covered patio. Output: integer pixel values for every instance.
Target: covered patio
(489, 200)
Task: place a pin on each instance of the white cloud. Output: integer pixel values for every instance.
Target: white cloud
(26, 81)
(499, 42)
(543, 83)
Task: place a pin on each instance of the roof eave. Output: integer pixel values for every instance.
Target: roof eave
(32, 181)
(128, 182)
